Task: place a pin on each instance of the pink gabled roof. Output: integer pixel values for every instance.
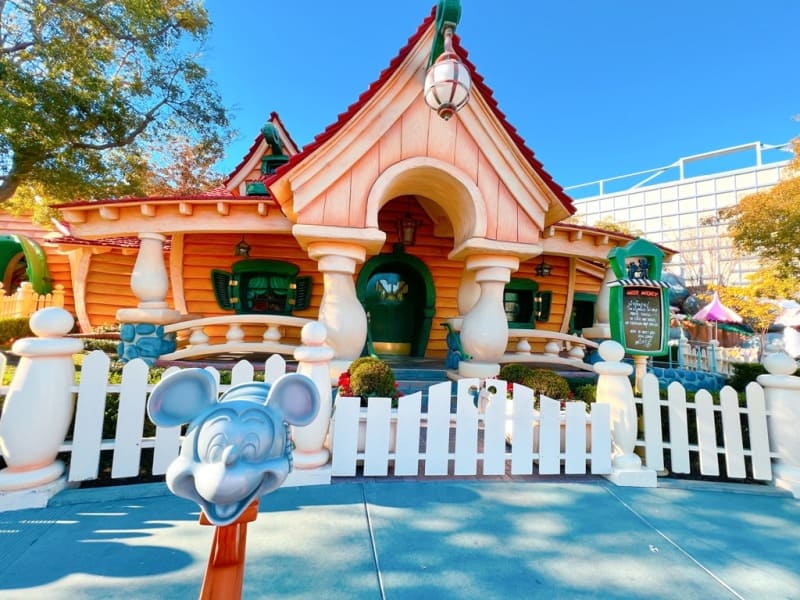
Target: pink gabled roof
(477, 83)
(273, 118)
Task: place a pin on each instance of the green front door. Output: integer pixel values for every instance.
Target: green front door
(393, 302)
(398, 296)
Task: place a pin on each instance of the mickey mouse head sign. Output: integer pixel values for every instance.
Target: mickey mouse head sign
(237, 447)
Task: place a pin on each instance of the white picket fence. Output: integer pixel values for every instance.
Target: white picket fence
(447, 443)
(87, 440)
(507, 435)
(699, 417)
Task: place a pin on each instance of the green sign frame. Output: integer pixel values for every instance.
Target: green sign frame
(638, 300)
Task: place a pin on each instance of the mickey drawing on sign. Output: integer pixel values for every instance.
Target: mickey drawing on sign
(236, 448)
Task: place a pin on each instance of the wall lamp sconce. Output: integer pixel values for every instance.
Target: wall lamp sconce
(242, 249)
(543, 269)
(447, 81)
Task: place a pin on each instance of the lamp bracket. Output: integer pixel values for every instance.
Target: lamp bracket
(448, 14)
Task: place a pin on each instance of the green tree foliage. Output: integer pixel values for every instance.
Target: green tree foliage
(768, 223)
(92, 89)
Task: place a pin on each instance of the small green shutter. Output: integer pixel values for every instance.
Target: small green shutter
(225, 289)
(300, 293)
(543, 302)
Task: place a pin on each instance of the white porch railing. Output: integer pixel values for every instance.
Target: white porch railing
(24, 301)
(439, 442)
(555, 343)
(194, 340)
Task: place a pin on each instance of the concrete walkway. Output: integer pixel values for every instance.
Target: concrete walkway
(419, 539)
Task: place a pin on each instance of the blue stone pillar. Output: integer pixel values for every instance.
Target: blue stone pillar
(144, 340)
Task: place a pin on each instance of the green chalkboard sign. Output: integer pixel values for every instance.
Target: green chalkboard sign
(643, 319)
(638, 301)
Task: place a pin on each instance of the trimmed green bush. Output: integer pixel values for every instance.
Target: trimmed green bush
(586, 393)
(373, 378)
(549, 383)
(514, 373)
(14, 329)
(744, 373)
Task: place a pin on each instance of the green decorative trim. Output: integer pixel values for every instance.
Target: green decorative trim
(646, 302)
(638, 248)
(448, 13)
(382, 261)
(277, 157)
(265, 265)
(531, 287)
(256, 188)
(545, 301)
(35, 259)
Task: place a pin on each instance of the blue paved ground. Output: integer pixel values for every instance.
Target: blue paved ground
(419, 539)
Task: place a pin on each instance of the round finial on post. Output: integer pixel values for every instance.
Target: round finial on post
(611, 351)
(51, 322)
(313, 334)
(780, 363)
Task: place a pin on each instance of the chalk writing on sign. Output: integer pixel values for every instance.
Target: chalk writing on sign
(642, 318)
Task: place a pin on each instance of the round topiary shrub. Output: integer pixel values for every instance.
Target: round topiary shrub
(549, 383)
(362, 360)
(373, 378)
(514, 373)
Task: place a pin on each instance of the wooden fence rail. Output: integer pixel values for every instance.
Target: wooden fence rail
(23, 302)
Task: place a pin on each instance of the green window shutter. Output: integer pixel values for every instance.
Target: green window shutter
(300, 293)
(225, 289)
(543, 302)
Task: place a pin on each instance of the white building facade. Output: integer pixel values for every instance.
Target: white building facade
(681, 212)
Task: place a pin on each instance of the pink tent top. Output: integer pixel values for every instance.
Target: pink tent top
(716, 311)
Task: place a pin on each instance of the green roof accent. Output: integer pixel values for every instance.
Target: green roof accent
(256, 188)
(35, 258)
(448, 14)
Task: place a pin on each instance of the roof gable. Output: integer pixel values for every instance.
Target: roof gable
(325, 143)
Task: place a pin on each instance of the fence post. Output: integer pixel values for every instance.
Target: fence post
(39, 405)
(58, 296)
(782, 398)
(614, 388)
(25, 300)
(313, 359)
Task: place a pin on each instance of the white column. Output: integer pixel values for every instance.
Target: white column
(141, 331)
(150, 284)
(468, 291)
(340, 311)
(39, 405)
(149, 280)
(312, 360)
(484, 331)
(782, 397)
(614, 388)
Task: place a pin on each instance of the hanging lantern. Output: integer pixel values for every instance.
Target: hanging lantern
(447, 82)
(242, 249)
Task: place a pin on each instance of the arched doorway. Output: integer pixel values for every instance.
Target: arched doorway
(399, 297)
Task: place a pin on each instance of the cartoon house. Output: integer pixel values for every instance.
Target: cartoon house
(394, 227)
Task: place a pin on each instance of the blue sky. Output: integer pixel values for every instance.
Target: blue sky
(596, 88)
